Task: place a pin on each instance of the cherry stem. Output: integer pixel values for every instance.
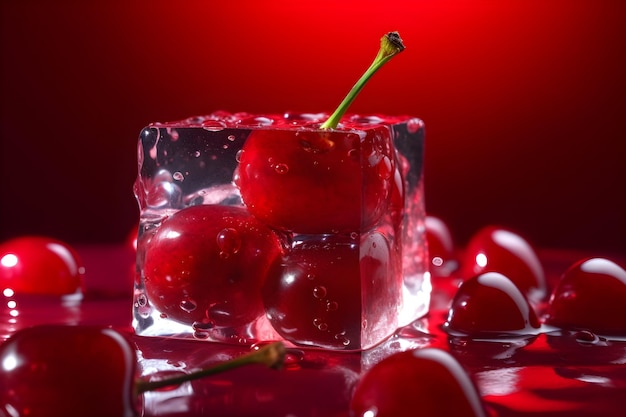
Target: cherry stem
(390, 45)
(272, 355)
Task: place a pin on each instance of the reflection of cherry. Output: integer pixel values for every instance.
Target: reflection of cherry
(591, 295)
(424, 382)
(205, 266)
(490, 304)
(40, 265)
(495, 249)
(312, 294)
(316, 181)
(78, 371)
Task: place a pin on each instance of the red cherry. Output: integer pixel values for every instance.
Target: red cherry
(495, 249)
(490, 304)
(591, 295)
(315, 295)
(440, 246)
(205, 266)
(40, 265)
(67, 371)
(313, 181)
(424, 382)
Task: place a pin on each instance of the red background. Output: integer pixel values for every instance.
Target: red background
(524, 101)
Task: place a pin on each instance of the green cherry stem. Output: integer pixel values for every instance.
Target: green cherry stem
(390, 45)
(272, 355)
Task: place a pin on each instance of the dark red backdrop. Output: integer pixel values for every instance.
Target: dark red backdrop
(524, 101)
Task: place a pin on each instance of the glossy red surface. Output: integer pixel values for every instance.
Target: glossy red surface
(553, 373)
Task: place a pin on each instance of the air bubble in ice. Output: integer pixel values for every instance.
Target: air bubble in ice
(231, 138)
(188, 305)
(178, 176)
(319, 292)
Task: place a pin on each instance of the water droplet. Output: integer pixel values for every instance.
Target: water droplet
(197, 154)
(281, 168)
(320, 324)
(142, 300)
(231, 138)
(188, 305)
(353, 154)
(332, 306)
(163, 315)
(178, 176)
(228, 242)
(238, 155)
(319, 292)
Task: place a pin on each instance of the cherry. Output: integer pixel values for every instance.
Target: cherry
(58, 370)
(490, 304)
(320, 179)
(67, 371)
(497, 249)
(40, 265)
(425, 382)
(312, 296)
(316, 181)
(440, 246)
(591, 295)
(205, 264)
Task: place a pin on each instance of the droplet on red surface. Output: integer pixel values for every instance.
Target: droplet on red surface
(440, 246)
(490, 305)
(39, 265)
(497, 249)
(591, 295)
(423, 382)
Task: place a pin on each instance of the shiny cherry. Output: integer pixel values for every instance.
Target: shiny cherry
(40, 265)
(67, 371)
(591, 295)
(423, 382)
(315, 181)
(497, 249)
(205, 265)
(315, 294)
(440, 246)
(490, 304)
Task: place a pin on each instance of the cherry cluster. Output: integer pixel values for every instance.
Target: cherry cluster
(295, 252)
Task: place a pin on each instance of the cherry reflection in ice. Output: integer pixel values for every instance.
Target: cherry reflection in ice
(591, 295)
(424, 382)
(496, 249)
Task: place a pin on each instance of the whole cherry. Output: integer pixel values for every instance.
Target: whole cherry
(205, 266)
(490, 304)
(591, 295)
(312, 297)
(77, 371)
(40, 265)
(57, 370)
(498, 249)
(425, 382)
(321, 180)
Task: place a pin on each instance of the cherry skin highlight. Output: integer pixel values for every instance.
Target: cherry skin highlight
(424, 382)
(205, 265)
(496, 249)
(40, 265)
(68, 371)
(591, 295)
(314, 181)
(489, 305)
